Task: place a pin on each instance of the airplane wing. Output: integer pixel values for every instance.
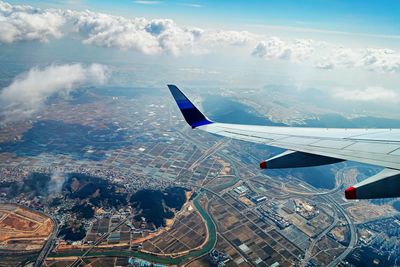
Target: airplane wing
(315, 146)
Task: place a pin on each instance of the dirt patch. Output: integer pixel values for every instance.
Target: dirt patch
(363, 211)
(23, 229)
(16, 223)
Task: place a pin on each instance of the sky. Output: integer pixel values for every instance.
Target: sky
(350, 49)
(357, 16)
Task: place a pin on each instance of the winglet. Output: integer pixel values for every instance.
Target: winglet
(191, 114)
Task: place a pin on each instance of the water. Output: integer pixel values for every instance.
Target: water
(223, 109)
(338, 121)
(396, 205)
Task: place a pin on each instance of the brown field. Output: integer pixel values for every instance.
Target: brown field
(326, 250)
(22, 229)
(246, 201)
(17, 224)
(93, 262)
(364, 211)
(252, 237)
(339, 232)
(187, 233)
(223, 245)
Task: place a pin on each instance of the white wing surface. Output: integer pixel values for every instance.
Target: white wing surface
(315, 146)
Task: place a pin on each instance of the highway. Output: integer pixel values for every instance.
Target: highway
(219, 195)
(353, 231)
(48, 246)
(324, 195)
(353, 234)
(210, 151)
(315, 240)
(328, 199)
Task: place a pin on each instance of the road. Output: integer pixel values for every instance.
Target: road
(244, 256)
(353, 234)
(315, 240)
(48, 246)
(325, 195)
(353, 231)
(79, 259)
(210, 151)
(219, 195)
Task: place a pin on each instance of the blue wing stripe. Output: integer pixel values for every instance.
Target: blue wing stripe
(184, 104)
(201, 123)
(191, 114)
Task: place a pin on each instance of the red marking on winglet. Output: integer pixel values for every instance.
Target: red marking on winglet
(350, 193)
(263, 164)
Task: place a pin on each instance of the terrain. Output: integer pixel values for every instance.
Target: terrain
(143, 187)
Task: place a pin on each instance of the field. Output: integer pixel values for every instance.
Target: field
(364, 211)
(187, 233)
(23, 229)
(250, 238)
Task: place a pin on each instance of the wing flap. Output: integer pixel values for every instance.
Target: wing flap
(296, 159)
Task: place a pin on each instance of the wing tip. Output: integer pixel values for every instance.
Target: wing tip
(189, 111)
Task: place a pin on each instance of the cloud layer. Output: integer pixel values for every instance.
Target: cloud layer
(26, 23)
(139, 34)
(370, 94)
(327, 56)
(29, 91)
(150, 36)
(275, 48)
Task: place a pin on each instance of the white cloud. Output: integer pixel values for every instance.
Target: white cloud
(150, 36)
(328, 56)
(192, 5)
(113, 31)
(383, 60)
(147, 2)
(22, 23)
(324, 64)
(373, 59)
(221, 37)
(26, 23)
(274, 48)
(370, 94)
(29, 91)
